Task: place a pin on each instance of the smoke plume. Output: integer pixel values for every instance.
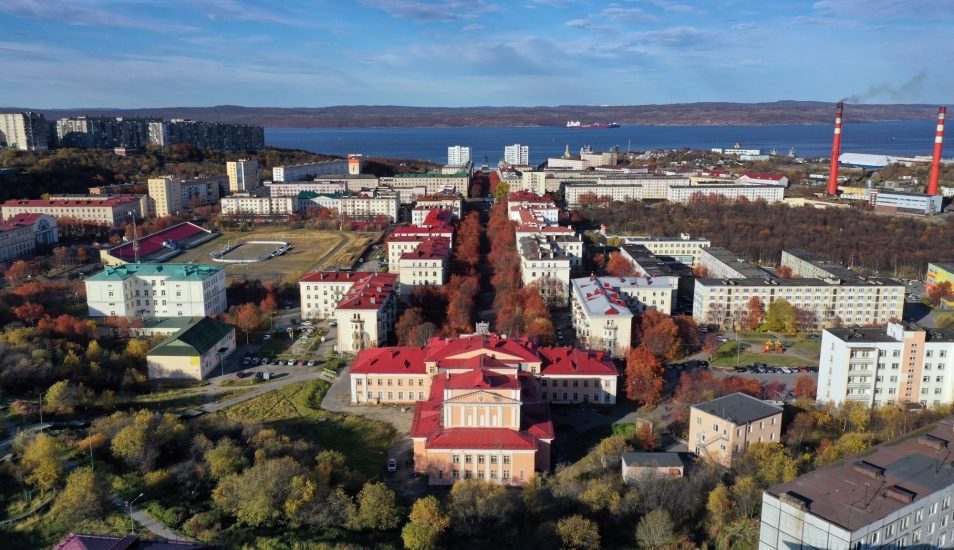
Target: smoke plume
(906, 91)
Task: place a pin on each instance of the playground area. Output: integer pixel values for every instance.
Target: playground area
(773, 350)
(250, 251)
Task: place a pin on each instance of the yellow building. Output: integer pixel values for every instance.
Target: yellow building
(193, 352)
(720, 428)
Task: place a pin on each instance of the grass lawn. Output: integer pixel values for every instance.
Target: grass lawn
(236, 382)
(727, 357)
(80, 311)
(169, 400)
(295, 410)
(229, 394)
(43, 530)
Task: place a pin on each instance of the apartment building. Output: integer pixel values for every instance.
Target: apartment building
(434, 183)
(107, 209)
(543, 260)
(722, 264)
(567, 163)
(355, 163)
(322, 290)
(751, 178)
(853, 302)
(723, 427)
(207, 135)
(426, 265)
(367, 312)
(481, 402)
(405, 239)
(165, 196)
(245, 203)
(298, 172)
(452, 202)
(599, 158)
(104, 132)
(16, 241)
(938, 273)
(369, 206)
(44, 227)
(517, 154)
(768, 193)
(901, 362)
(594, 192)
(897, 494)
(410, 195)
(683, 249)
(295, 189)
(805, 263)
(23, 131)
(243, 175)
(207, 190)
(458, 155)
(157, 290)
(330, 201)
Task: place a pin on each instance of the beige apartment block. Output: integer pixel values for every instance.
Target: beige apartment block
(165, 196)
(243, 175)
(723, 427)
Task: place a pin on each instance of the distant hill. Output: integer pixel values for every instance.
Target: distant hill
(360, 116)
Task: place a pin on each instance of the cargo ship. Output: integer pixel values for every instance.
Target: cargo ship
(575, 125)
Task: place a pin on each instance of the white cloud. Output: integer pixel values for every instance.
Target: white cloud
(469, 28)
(744, 26)
(449, 10)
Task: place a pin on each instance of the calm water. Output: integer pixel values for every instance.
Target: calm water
(906, 138)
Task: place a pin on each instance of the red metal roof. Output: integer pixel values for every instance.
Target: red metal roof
(571, 361)
(369, 292)
(482, 378)
(394, 360)
(333, 276)
(447, 348)
(114, 201)
(535, 420)
(431, 248)
(25, 218)
(153, 243)
(482, 438)
(527, 196)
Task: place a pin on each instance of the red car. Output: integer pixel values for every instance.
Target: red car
(239, 374)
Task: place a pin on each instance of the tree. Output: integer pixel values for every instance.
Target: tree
(477, 507)
(269, 305)
(42, 462)
(503, 190)
(659, 334)
(427, 511)
(944, 321)
(644, 376)
(805, 387)
(248, 318)
(710, 345)
(377, 509)
(82, 254)
(722, 509)
(62, 257)
(780, 316)
(611, 450)
(578, 533)
(747, 495)
(83, 499)
(688, 332)
(755, 313)
(421, 334)
(417, 536)
(29, 313)
(700, 272)
(654, 530)
(405, 326)
(783, 272)
(256, 496)
(20, 272)
(805, 319)
(225, 459)
(938, 291)
(618, 266)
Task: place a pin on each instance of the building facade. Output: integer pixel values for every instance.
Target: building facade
(294, 189)
(899, 202)
(768, 193)
(435, 183)
(244, 203)
(157, 290)
(723, 427)
(243, 175)
(593, 192)
(44, 227)
(165, 196)
(298, 172)
(445, 201)
(458, 155)
(206, 190)
(426, 265)
(378, 203)
(23, 131)
(192, 353)
(684, 248)
(367, 313)
(16, 241)
(517, 154)
(110, 210)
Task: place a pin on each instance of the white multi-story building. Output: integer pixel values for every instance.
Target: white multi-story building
(44, 228)
(157, 290)
(426, 265)
(294, 189)
(452, 202)
(768, 193)
(603, 308)
(517, 154)
(330, 201)
(544, 260)
(23, 131)
(355, 163)
(206, 188)
(243, 175)
(907, 203)
(458, 155)
(722, 264)
(363, 304)
(750, 178)
(594, 192)
(684, 248)
(435, 183)
(724, 302)
(567, 164)
(898, 494)
(368, 206)
(902, 363)
(298, 172)
(16, 241)
(165, 196)
(805, 263)
(244, 203)
(322, 290)
(107, 209)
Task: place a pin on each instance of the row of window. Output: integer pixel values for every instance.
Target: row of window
(400, 396)
(481, 459)
(576, 383)
(918, 535)
(390, 381)
(576, 397)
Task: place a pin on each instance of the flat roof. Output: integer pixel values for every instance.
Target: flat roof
(432, 175)
(738, 408)
(174, 272)
(876, 335)
(769, 281)
(665, 460)
(944, 267)
(734, 261)
(866, 487)
(834, 268)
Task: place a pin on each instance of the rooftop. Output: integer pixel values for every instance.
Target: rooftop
(864, 488)
(432, 175)
(733, 261)
(333, 276)
(835, 269)
(876, 335)
(801, 282)
(153, 243)
(738, 408)
(172, 272)
(82, 541)
(665, 460)
(370, 292)
(78, 200)
(201, 335)
(602, 295)
(431, 248)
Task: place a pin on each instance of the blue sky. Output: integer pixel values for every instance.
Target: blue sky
(295, 53)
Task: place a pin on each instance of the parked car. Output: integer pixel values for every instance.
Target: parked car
(258, 375)
(311, 363)
(247, 361)
(294, 321)
(333, 324)
(703, 329)
(301, 362)
(266, 337)
(722, 339)
(239, 374)
(281, 328)
(392, 465)
(255, 360)
(740, 369)
(306, 323)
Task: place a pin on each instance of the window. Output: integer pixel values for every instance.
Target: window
(919, 515)
(506, 459)
(456, 459)
(493, 459)
(468, 459)
(699, 420)
(480, 459)
(715, 427)
(932, 509)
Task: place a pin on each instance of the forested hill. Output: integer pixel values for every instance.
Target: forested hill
(359, 116)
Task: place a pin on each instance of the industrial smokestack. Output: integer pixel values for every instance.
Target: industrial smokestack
(938, 145)
(835, 153)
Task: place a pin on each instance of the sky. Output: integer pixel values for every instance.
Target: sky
(463, 53)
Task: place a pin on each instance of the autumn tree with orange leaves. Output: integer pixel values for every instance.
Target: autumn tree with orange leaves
(618, 266)
(659, 334)
(644, 376)
(805, 387)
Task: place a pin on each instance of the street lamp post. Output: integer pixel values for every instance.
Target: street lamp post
(129, 505)
(40, 403)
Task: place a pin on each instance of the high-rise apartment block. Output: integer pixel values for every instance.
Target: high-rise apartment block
(517, 154)
(355, 163)
(23, 131)
(243, 175)
(137, 132)
(458, 155)
(165, 196)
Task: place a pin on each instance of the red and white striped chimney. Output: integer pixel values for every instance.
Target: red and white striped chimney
(835, 153)
(938, 145)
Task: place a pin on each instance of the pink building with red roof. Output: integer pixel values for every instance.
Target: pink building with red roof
(482, 402)
(750, 178)
(107, 209)
(402, 240)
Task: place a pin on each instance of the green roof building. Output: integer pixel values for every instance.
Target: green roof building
(193, 352)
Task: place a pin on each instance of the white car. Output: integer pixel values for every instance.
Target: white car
(266, 337)
(306, 323)
(722, 339)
